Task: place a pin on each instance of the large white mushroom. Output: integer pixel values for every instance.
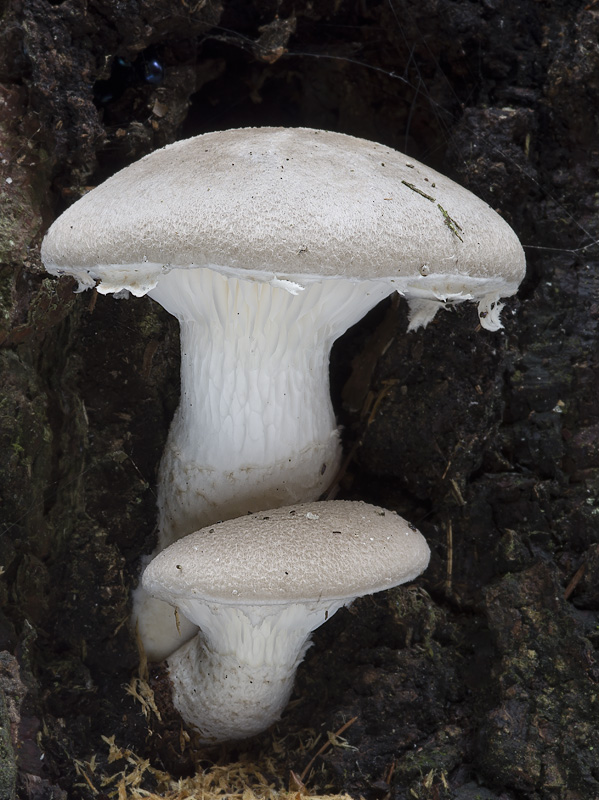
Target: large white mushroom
(257, 587)
(267, 244)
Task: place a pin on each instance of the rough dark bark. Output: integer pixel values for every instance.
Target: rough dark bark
(482, 681)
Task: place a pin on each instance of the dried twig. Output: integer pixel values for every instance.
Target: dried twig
(575, 580)
(327, 744)
(449, 571)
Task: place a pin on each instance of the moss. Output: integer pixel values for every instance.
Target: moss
(30, 305)
(12, 692)
(425, 771)
(20, 220)
(6, 294)
(25, 447)
(151, 320)
(8, 766)
(544, 689)
(19, 223)
(418, 617)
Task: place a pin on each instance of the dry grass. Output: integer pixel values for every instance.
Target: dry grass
(241, 780)
(267, 776)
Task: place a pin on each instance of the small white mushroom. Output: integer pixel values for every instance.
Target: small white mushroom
(257, 587)
(267, 244)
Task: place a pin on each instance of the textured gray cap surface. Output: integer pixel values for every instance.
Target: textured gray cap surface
(332, 549)
(288, 201)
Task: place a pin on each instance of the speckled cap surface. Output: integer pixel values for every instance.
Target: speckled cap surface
(331, 549)
(286, 201)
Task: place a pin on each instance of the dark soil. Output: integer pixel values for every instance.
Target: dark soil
(480, 681)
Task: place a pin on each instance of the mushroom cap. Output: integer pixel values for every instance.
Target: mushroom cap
(329, 550)
(286, 203)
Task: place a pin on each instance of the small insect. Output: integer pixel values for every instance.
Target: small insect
(125, 74)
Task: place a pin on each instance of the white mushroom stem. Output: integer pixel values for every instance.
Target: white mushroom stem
(255, 427)
(234, 679)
